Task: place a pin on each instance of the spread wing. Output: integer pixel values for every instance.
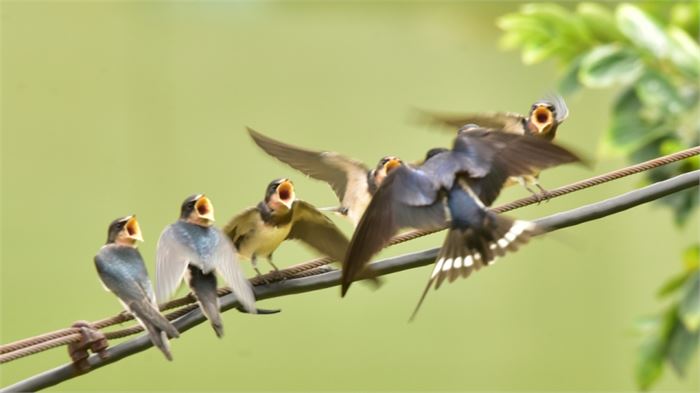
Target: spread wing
(318, 231)
(560, 107)
(491, 157)
(408, 197)
(506, 121)
(241, 225)
(172, 258)
(341, 173)
(226, 262)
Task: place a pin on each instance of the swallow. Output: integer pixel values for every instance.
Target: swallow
(352, 181)
(192, 248)
(123, 272)
(453, 189)
(259, 230)
(542, 120)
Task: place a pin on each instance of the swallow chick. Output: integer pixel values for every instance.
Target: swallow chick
(123, 272)
(543, 120)
(453, 188)
(193, 248)
(352, 181)
(259, 230)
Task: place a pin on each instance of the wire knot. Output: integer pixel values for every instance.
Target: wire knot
(91, 339)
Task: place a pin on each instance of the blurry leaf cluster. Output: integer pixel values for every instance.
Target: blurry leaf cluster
(650, 52)
(673, 335)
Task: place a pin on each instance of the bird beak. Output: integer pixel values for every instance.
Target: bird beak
(392, 164)
(285, 192)
(204, 209)
(133, 230)
(542, 118)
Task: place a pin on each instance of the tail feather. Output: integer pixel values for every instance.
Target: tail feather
(155, 324)
(203, 286)
(466, 250)
(159, 339)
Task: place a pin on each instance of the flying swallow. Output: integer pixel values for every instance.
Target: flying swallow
(122, 272)
(542, 120)
(352, 181)
(259, 230)
(195, 248)
(453, 188)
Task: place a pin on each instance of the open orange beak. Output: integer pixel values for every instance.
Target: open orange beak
(543, 118)
(392, 164)
(133, 230)
(285, 192)
(204, 209)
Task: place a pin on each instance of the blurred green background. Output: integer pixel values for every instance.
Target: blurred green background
(128, 107)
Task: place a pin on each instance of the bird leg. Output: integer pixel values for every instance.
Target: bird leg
(276, 273)
(254, 262)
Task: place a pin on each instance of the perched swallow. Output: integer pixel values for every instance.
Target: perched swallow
(259, 230)
(542, 120)
(352, 181)
(454, 187)
(194, 246)
(122, 272)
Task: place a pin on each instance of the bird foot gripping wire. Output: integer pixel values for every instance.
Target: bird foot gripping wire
(91, 339)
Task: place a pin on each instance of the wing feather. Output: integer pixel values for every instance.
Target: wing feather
(226, 262)
(318, 231)
(172, 258)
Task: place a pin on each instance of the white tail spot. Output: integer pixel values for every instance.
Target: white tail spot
(448, 265)
(468, 261)
(457, 263)
(437, 268)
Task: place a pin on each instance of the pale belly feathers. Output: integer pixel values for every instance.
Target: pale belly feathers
(264, 240)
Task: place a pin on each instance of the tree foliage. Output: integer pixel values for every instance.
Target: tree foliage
(651, 55)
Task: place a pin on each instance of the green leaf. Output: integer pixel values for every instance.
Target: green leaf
(641, 30)
(569, 83)
(684, 52)
(656, 92)
(681, 347)
(672, 285)
(610, 64)
(558, 19)
(689, 308)
(650, 363)
(691, 258)
(600, 22)
(686, 16)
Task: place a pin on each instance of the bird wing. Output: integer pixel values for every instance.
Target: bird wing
(315, 229)
(340, 172)
(407, 197)
(241, 225)
(172, 258)
(560, 107)
(491, 157)
(506, 121)
(126, 279)
(226, 262)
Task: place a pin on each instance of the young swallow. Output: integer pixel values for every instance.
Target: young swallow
(259, 230)
(194, 248)
(122, 272)
(542, 120)
(454, 187)
(352, 181)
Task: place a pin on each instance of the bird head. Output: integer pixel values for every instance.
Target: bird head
(124, 231)
(384, 166)
(197, 209)
(280, 192)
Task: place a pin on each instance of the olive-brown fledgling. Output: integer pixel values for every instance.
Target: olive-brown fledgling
(259, 230)
(122, 272)
(352, 181)
(543, 120)
(453, 189)
(194, 248)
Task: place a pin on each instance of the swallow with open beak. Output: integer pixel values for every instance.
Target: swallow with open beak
(122, 272)
(453, 189)
(259, 230)
(194, 248)
(542, 120)
(352, 181)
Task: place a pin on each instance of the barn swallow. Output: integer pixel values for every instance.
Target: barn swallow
(122, 272)
(352, 181)
(259, 230)
(193, 245)
(453, 188)
(542, 120)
